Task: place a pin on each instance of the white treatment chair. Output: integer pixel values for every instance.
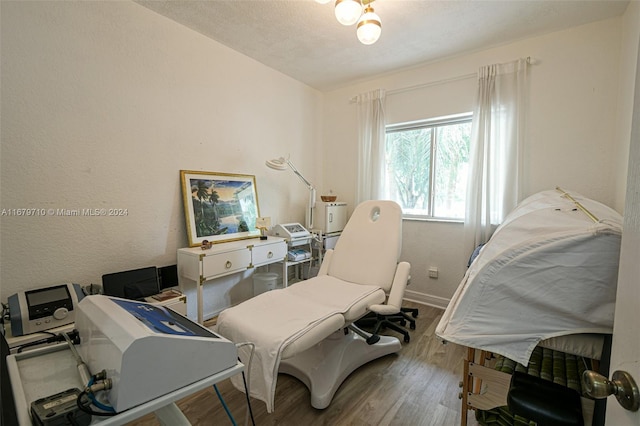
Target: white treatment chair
(319, 344)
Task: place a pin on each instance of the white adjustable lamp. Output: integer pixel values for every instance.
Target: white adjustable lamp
(282, 164)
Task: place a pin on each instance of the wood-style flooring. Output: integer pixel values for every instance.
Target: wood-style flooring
(417, 386)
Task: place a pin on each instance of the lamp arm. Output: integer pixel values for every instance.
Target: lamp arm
(311, 204)
(306, 182)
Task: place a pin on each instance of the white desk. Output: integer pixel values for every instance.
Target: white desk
(197, 267)
(43, 372)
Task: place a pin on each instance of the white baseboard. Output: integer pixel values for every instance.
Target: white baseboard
(426, 299)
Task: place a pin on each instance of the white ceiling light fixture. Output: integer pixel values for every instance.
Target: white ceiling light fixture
(348, 11)
(369, 26)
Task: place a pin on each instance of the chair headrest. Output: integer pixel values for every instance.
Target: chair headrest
(369, 247)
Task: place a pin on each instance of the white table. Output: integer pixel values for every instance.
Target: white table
(197, 267)
(46, 371)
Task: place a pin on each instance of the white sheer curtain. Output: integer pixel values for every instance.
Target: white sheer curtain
(371, 139)
(494, 186)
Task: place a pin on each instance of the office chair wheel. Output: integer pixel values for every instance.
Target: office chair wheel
(413, 311)
(407, 338)
(403, 323)
(412, 326)
(373, 339)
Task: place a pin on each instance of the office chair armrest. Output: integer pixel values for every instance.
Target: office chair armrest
(393, 304)
(384, 309)
(399, 284)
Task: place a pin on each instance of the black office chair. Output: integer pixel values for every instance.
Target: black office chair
(378, 322)
(410, 319)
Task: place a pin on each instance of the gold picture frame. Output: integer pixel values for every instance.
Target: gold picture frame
(219, 207)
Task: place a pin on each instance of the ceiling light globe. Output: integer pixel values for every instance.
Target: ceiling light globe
(369, 27)
(348, 11)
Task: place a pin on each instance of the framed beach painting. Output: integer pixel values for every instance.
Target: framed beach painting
(219, 207)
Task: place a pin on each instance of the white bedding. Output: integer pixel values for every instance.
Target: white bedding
(275, 319)
(547, 271)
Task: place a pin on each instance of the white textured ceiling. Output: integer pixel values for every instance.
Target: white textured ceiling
(301, 38)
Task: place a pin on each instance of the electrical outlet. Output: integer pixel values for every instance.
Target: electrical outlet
(433, 272)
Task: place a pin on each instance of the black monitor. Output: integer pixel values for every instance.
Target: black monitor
(135, 284)
(168, 276)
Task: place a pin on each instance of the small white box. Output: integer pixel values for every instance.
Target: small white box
(296, 255)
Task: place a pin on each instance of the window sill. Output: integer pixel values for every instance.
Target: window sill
(433, 219)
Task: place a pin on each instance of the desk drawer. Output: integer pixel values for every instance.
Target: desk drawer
(225, 263)
(269, 253)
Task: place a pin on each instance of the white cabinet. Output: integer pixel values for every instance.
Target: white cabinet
(330, 217)
(197, 267)
(220, 264)
(268, 253)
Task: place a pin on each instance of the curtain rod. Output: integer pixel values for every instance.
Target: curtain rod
(578, 205)
(353, 99)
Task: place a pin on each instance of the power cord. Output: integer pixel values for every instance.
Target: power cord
(247, 381)
(96, 383)
(224, 405)
(246, 394)
(85, 406)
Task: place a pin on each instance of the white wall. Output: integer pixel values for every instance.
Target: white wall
(102, 104)
(571, 133)
(628, 54)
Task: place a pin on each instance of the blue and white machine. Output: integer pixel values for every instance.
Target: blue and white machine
(147, 350)
(43, 308)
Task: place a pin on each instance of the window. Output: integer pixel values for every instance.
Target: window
(426, 166)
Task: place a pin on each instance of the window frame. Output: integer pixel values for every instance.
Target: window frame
(433, 124)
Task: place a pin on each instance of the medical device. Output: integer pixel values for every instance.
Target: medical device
(146, 350)
(57, 409)
(43, 308)
(294, 233)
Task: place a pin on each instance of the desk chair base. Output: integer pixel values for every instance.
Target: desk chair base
(323, 367)
(411, 319)
(381, 322)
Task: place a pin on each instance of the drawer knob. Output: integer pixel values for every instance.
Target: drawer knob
(228, 264)
(269, 255)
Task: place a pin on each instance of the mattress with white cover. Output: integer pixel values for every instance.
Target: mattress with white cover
(282, 323)
(549, 270)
